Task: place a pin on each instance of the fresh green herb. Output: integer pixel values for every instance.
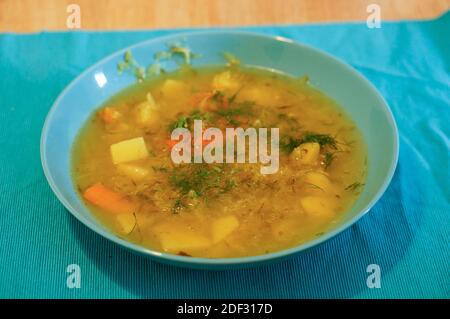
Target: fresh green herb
(218, 96)
(174, 50)
(229, 184)
(185, 53)
(314, 186)
(154, 70)
(233, 97)
(245, 108)
(329, 157)
(181, 181)
(217, 169)
(162, 55)
(355, 186)
(178, 206)
(322, 139)
(181, 122)
(231, 59)
(192, 194)
(121, 66)
(227, 113)
(130, 64)
(320, 234)
(291, 121)
(304, 79)
(185, 121)
(288, 143)
(200, 181)
(199, 115)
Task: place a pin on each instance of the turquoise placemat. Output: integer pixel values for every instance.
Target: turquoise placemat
(407, 233)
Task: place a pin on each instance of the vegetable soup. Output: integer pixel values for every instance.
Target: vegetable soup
(123, 168)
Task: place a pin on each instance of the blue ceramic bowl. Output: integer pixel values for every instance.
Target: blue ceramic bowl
(338, 80)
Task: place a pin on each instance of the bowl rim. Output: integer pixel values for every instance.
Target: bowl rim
(199, 261)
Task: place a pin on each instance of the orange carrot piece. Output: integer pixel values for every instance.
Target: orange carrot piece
(108, 199)
(109, 115)
(171, 143)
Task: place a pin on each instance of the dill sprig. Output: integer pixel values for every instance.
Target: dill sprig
(231, 59)
(288, 144)
(176, 50)
(329, 157)
(185, 121)
(200, 181)
(354, 186)
(131, 65)
(181, 122)
(322, 139)
(173, 51)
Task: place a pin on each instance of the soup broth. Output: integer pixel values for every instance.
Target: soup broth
(123, 169)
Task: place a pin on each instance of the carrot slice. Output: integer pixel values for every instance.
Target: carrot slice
(109, 115)
(108, 199)
(171, 143)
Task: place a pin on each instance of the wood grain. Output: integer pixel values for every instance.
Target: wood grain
(36, 15)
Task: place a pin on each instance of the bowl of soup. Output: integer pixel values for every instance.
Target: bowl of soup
(219, 149)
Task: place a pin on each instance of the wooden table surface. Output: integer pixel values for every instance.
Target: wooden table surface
(36, 15)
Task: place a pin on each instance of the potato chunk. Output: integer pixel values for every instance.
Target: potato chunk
(146, 112)
(172, 89)
(319, 180)
(260, 94)
(135, 172)
(224, 82)
(318, 206)
(129, 150)
(176, 237)
(223, 227)
(306, 154)
(125, 223)
(187, 242)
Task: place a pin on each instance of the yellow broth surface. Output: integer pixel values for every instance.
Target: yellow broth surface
(124, 172)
